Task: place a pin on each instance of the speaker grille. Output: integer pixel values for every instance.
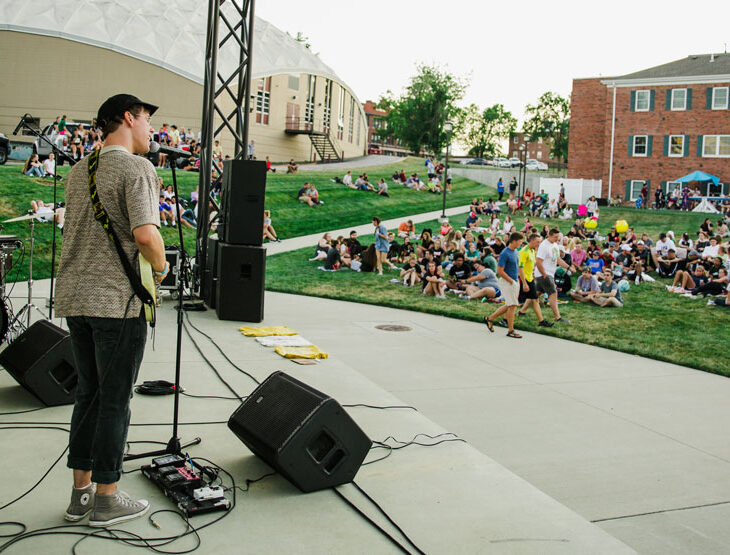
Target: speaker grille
(276, 410)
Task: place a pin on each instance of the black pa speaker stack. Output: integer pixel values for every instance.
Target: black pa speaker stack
(301, 432)
(42, 362)
(236, 265)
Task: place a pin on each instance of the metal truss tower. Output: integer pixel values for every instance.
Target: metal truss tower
(230, 34)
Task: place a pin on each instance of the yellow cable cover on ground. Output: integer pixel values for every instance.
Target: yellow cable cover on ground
(266, 331)
(312, 351)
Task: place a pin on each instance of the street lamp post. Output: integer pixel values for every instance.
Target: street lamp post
(523, 160)
(448, 127)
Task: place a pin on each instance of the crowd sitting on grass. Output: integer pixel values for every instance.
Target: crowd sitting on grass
(579, 265)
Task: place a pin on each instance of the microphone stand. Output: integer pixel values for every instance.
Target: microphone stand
(174, 446)
(60, 154)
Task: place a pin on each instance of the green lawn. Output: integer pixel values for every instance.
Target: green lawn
(653, 322)
(343, 207)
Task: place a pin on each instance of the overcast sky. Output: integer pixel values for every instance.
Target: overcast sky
(511, 52)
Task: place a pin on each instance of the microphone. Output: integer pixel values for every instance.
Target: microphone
(25, 118)
(170, 151)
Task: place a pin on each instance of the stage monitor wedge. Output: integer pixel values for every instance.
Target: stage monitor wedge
(42, 362)
(302, 433)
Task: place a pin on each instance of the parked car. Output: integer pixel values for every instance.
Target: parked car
(4, 148)
(502, 163)
(515, 162)
(536, 165)
(43, 149)
(476, 162)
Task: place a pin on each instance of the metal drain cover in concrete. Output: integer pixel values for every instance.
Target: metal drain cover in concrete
(392, 327)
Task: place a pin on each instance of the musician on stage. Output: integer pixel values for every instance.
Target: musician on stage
(104, 315)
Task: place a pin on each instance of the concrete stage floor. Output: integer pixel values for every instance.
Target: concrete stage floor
(571, 448)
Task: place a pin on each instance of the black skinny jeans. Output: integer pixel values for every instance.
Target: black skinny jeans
(108, 354)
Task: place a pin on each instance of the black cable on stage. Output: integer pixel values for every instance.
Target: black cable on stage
(383, 407)
(210, 364)
(372, 522)
(23, 411)
(187, 317)
(212, 397)
(386, 515)
(13, 523)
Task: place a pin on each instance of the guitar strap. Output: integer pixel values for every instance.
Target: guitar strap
(101, 216)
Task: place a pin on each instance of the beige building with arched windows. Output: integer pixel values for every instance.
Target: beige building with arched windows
(68, 57)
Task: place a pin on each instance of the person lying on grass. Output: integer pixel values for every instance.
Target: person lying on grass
(482, 284)
(406, 229)
(433, 280)
(686, 280)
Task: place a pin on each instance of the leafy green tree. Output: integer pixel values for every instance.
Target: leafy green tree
(550, 119)
(417, 117)
(482, 130)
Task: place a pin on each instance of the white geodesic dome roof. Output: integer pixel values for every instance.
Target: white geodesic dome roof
(166, 33)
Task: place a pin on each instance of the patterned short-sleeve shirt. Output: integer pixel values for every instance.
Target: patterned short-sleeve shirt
(91, 279)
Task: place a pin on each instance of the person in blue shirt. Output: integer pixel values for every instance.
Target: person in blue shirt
(500, 188)
(508, 272)
(595, 262)
(382, 245)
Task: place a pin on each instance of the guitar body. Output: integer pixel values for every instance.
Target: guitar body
(150, 283)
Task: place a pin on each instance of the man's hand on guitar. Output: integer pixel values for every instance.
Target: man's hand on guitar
(159, 276)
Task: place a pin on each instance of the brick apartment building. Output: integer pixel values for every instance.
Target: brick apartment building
(537, 150)
(653, 126)
(376, 121)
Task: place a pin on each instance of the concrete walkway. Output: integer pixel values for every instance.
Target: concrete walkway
(311, 240)
(352, 163)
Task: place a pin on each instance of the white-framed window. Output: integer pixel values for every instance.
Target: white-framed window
(642, 101)
(640, 145)
(716, 146)
(720, 98)
(539, 140)
(671, 185)
(676, 145)
(263, 100)
(515, 140)
(679, 99)
(539, 154)
(635, 188)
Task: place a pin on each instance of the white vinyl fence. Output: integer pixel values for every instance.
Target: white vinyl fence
(577, 191)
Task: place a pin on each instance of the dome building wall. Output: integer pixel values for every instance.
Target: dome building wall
(49, 71)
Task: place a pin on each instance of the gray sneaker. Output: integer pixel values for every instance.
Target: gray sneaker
(82, 503)
(115, 508)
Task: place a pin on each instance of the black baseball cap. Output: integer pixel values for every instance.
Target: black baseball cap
(116, 105)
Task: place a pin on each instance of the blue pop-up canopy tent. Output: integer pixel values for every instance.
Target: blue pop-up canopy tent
(698, 176)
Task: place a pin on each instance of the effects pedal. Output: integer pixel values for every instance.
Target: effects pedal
(184, 486)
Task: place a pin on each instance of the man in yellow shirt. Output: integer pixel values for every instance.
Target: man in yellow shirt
(528, 292)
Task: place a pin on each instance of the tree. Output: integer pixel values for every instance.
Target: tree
(549, 119)
(417, 117)
(482, 130)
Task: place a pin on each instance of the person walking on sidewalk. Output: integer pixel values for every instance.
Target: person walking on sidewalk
(507, 270)
(547, 261)
(528, 292)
